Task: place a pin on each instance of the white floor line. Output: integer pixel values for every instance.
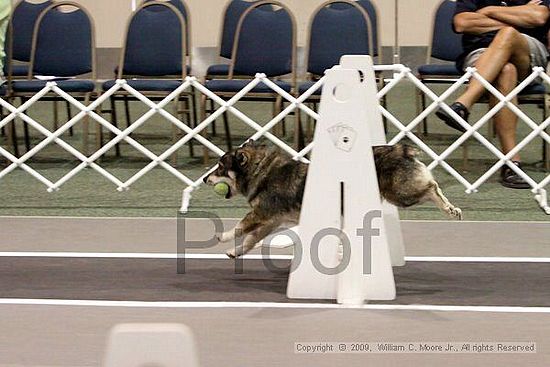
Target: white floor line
(278, 305)
(148, 255)
(488, 259)
(138, 255)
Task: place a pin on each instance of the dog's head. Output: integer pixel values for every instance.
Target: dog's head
(234, 167)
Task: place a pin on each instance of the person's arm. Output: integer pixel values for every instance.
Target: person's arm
(475, 23)
(531, 15)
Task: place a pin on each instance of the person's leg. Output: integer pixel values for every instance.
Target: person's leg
(505, 120)
(5, 8)
(508, 46)
(505, 125)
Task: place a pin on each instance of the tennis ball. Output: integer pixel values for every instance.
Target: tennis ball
(221, 188)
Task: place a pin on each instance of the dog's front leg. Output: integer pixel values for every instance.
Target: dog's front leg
(249, 232)
(249, 241)
(228, 235)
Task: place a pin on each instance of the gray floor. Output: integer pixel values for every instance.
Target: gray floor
(75, 336)
(159, 235)
(60, 335)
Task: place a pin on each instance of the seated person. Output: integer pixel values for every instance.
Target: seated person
(504, 40)
(5, 10)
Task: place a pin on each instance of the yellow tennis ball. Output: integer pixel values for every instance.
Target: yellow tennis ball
(221, 188)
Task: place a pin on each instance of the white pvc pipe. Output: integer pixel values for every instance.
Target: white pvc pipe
(296, 104)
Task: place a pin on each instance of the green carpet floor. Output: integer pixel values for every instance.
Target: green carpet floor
(159, 193)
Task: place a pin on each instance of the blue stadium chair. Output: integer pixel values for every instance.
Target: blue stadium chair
(155, 58)
(372, 11)
(21, 28)
(18, 44)
(180, 5)
(63, 46)
(231, 15)
(445, 47)
(265, 42)
(345, 25)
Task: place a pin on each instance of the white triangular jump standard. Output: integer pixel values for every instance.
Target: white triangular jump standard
(378, 137)
(342, 201)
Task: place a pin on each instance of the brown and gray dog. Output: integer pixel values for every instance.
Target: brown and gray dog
(273, 184)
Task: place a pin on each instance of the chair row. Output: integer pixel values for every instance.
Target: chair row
(61, 47)
(257, 36)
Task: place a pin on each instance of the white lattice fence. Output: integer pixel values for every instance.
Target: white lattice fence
(401, 74)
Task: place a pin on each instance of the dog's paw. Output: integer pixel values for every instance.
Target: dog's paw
(224, 237)
(231, 253)
(456, 213)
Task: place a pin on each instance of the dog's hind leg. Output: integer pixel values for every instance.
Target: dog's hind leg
(436, 195)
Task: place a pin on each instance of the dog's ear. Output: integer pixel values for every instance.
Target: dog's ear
(226, 161)
(250, 143)
(242, 158)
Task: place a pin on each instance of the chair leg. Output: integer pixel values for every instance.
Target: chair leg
(205, 155)
(277, 129)
(419, 109)
(86, 128)
(99, 130)
(227, 132)
(127, 111)
(114, 121)
(213, 125)
(55, 115)
(27, 137)
(425, 122)
(26, 130)
(280, 129)
(12, 137)
(69, 116)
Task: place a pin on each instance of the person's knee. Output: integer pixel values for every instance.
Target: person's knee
(509, 72)
(506, 36)
(508, 78)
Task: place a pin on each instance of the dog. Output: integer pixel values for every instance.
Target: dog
(273, 184)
